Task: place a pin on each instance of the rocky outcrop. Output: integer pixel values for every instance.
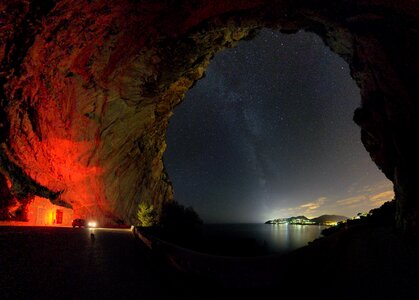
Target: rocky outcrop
(88, 87)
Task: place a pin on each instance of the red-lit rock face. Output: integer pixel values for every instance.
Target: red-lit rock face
(88, 88)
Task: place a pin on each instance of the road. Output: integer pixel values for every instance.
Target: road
(66, 263)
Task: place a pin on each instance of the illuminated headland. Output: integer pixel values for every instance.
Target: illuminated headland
(326, 220)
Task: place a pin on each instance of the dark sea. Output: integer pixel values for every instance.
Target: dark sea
(273, 239)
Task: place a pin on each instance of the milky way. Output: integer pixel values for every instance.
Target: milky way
(268, 133)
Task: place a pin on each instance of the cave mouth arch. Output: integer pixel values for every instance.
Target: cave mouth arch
(99, 102)
(237, 136)
(91, 87)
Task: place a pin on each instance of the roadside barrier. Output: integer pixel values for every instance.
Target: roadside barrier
(249, 272)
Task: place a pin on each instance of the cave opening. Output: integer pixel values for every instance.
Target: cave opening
(269, 133)
(116, 94)
(87, 90)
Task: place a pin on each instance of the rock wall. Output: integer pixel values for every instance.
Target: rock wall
(87, 89)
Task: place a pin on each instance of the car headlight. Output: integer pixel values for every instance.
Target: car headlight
(91, 224)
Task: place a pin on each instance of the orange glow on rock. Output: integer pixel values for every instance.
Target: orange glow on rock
(55, 142)
(65, 165)
(8, 182)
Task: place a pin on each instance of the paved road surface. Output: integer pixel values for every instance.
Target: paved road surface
(65, 263)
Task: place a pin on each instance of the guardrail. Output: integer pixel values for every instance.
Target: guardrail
(250, 272)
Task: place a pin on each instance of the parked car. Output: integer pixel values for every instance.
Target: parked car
(78, 223)
(82, 223)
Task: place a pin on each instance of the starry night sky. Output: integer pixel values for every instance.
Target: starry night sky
(268, 133)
